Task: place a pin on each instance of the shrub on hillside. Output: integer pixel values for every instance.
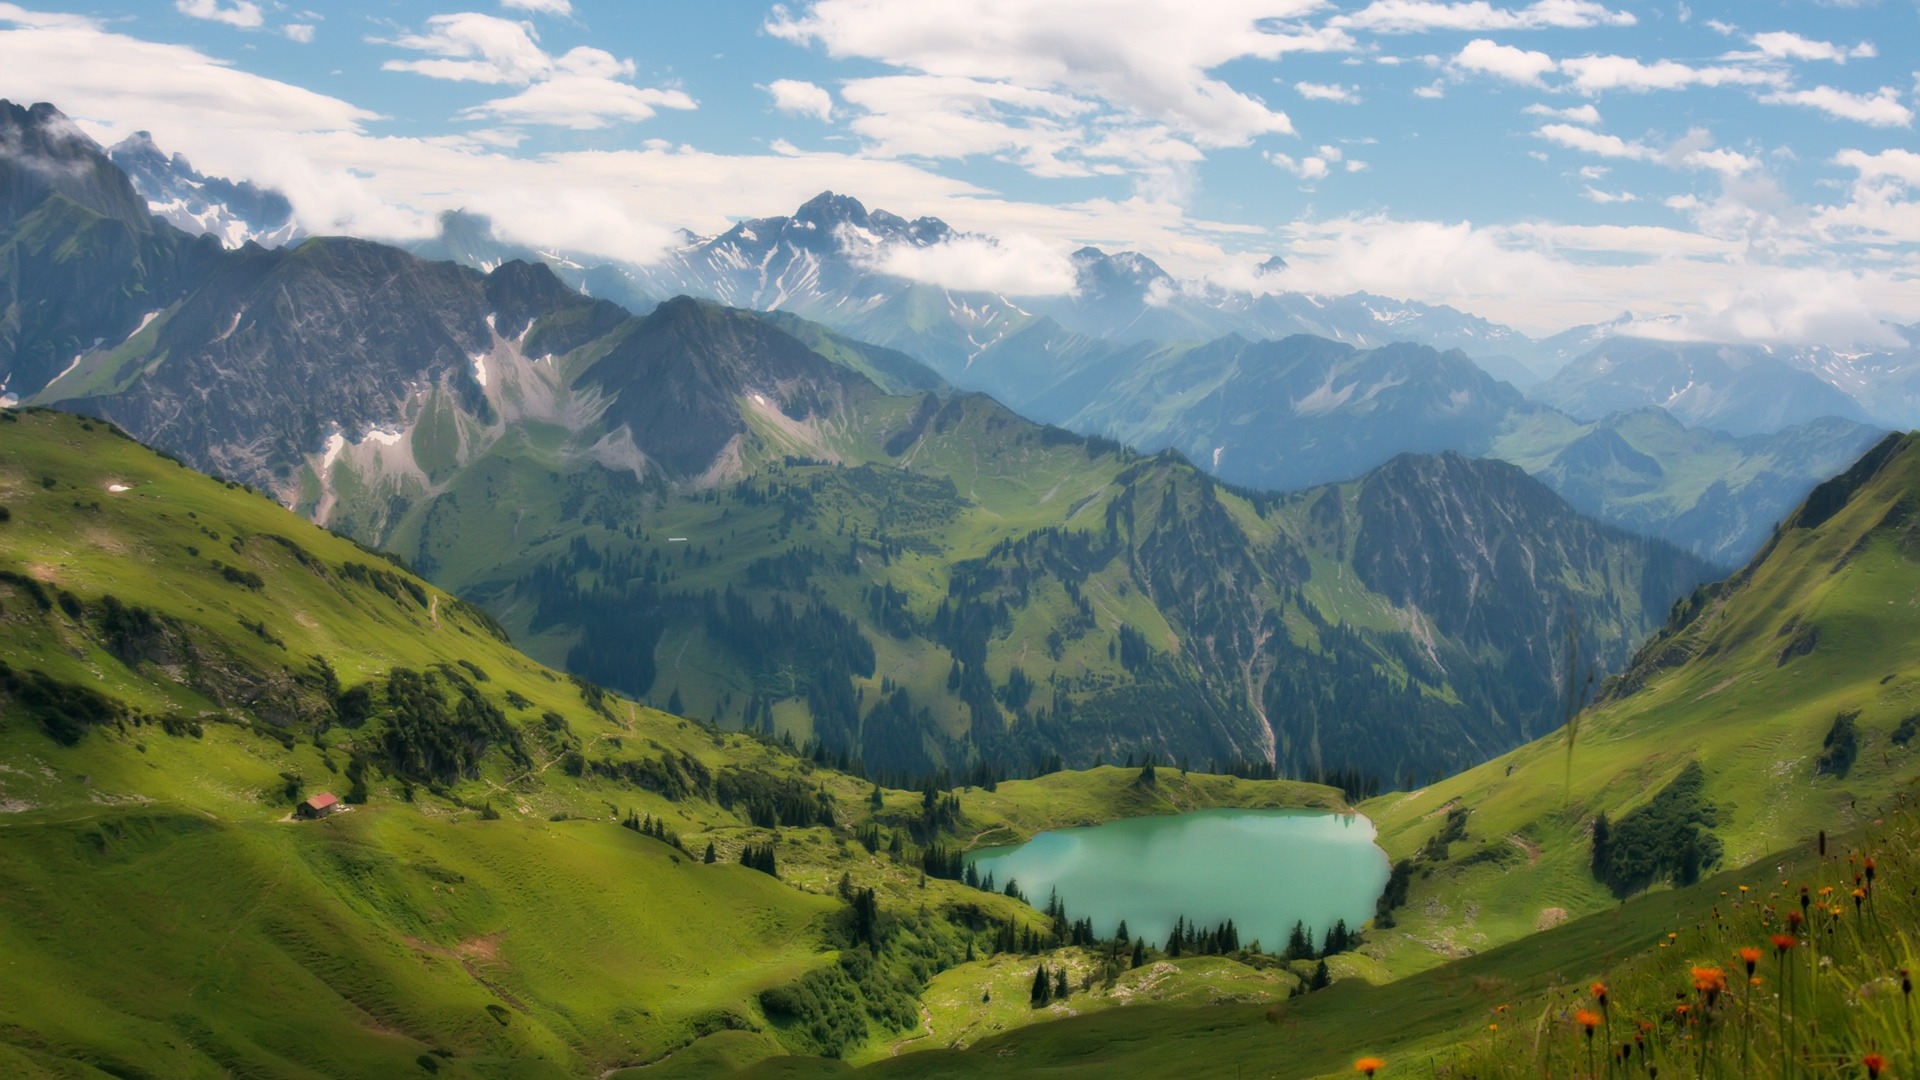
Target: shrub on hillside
(1840, 747)
(1669, 837)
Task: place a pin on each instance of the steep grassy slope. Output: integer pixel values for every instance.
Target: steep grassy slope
(184, 659)
(1777, 705)
(1791, 685)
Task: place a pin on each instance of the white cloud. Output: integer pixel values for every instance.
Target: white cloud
(241, 13)
(580, 101)
(1417, 16)
(1504, 61)
(471, 47)
(1901, 165)
(300, 32)
(1309, 169)
(1725, 162)
(1881, 109)
(581, 89)
(1594, 194)
(935, 116)
(1724, 29)
(1018, 265)
(1578, 114)
(1596, 74)
(1324, 92)
(1051, 86)
(1593, 142)
(797, 98)
(1786, 45)
(541, 7)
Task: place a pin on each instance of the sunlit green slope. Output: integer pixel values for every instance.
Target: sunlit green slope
(1792, 685)
(184, 660)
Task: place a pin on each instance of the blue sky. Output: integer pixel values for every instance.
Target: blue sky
(1747, 169)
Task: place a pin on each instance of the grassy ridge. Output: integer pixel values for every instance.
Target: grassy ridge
(160, 915)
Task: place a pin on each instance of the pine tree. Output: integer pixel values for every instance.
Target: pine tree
(1321, 980)
(711, 856)
(1042, 987)
(1139, 952)
(874, 800)
(1060, 988)
(1299, 944)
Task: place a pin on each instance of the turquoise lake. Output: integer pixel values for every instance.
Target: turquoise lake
(1263, 869)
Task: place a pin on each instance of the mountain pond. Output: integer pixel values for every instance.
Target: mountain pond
(1263, 869)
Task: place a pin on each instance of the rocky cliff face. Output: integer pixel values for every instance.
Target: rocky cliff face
(81, 261)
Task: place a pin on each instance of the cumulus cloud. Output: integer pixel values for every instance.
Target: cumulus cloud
(1052, 86)
(241, 13)
(1017, 266)
(1786, 45)
(1596, 74)
(798, 98)
(1417, 16)
(1327, 92)
(1594, 194)
(300, 32)
(583, 88)
(1504, 61)
(1309, 169)
(471, 47)
(541, 7)
(1880, 109)
(1596, 143)
(1579, 114)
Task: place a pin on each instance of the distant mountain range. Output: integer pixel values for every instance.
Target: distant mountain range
(784, 528)
(1285, 414)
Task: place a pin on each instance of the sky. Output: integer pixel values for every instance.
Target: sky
(1736, 170)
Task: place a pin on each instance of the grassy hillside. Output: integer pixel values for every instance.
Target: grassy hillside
(1761, 743)
(184, 660)
(1814, 639)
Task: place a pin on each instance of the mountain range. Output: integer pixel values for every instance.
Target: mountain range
(672, 632)
(1136, 355)
(816, 537)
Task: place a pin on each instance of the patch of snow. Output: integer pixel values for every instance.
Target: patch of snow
(385, 438)
(68, 370)
(480, 364)
(490, 326)
(118, 488)
(232, 326)
(1217, 451)
(145, 321)
(759, 400)
(336, 442)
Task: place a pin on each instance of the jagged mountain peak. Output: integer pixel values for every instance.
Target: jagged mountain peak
(177, 193)
(831, 225)
(43, 153)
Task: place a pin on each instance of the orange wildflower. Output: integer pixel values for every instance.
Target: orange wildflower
(1369, 1065)
(1874, 1063)
(1749, 956)
(1783, 942)
(1588, 1019)
(1600, 995)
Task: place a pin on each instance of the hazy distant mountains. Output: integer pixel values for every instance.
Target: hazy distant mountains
(177, 193)
(784, 528)
(1277, 414)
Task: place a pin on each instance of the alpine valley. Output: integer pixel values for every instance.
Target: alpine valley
(677, 633)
